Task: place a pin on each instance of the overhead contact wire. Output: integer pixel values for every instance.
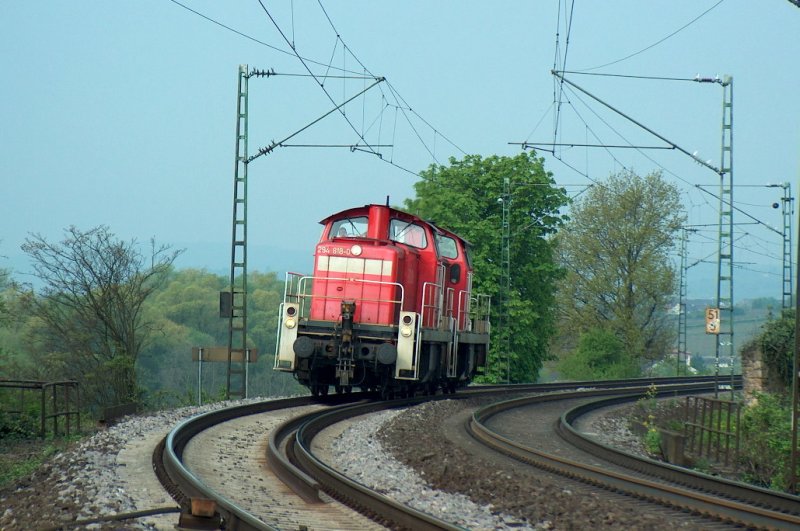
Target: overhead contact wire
(246, 36)
(701, 15)
(322, 86)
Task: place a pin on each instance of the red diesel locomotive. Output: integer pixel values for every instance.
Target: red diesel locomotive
(389, 308)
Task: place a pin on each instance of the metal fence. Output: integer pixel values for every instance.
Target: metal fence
(711, 429)
(56, 404)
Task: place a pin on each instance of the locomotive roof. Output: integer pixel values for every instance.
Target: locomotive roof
(363, 210)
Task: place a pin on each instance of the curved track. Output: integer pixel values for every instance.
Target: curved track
(222, 456)
(646, 479)
(289, 454)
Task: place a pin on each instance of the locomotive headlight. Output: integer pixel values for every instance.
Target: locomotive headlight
(405, 331)
(356, 250)
(290, 322)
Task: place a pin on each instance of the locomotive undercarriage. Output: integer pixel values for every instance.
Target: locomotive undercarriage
(363, 356)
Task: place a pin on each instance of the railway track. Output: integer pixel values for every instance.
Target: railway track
(712, 497)
(290, 455)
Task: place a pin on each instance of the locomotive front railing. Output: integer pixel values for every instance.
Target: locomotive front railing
(291, 289)
(299, 290)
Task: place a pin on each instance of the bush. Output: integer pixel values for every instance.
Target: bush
(767, 439)
(600, 356)
(16, 424)
(777, 344)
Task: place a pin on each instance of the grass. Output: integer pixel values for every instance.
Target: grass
(21, 457)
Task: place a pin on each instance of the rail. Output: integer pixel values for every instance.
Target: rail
(742, 504)
(690, 478)
(183, 485)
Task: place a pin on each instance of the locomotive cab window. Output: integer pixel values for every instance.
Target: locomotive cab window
(447, 246)
(349, 228)
(455, 273)
(408, 233)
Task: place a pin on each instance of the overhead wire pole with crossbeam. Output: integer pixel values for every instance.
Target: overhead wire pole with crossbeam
(233, 304)
(724, 296)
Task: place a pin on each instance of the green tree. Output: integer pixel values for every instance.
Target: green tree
(186, 314)
(616, 250)
(466, 197)
(90, 320)
(600, 355)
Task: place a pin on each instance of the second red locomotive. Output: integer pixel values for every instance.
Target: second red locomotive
(389, 308)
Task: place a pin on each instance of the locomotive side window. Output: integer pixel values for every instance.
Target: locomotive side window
(408, 233)
(349, 227)
(455, 273)
(447, 246)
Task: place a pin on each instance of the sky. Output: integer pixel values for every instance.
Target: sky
(124, 113)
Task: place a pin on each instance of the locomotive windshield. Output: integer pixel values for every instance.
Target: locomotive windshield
(349, 227)
(409, 233)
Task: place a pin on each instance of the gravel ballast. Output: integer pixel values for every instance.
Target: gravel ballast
(397, 452)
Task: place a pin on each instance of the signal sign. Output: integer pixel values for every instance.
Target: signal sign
(712, 321)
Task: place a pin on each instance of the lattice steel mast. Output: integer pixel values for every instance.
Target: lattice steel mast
(237, 314)
(681, 353)
(725, 243)
(787, 208)
(505, 281)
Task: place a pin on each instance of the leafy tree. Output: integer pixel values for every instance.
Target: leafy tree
(186, 313)
(90, 318)
(699, 364)
(600, 355)
(466, 197)
(616, 252)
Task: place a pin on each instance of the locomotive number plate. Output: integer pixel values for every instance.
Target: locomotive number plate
(334, 250)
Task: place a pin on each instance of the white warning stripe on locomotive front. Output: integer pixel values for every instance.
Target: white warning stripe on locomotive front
(360, 266)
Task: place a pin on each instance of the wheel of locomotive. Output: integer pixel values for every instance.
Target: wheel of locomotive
(323, 389)
(338, 388)
(386, 393)
(315, 390)
(348, 389)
